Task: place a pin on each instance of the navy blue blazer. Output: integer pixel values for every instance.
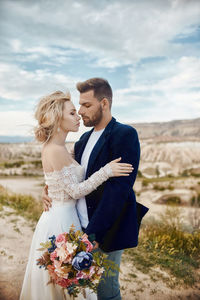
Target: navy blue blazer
(114, 215)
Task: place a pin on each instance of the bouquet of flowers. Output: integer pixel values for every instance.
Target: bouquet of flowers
(72, 264)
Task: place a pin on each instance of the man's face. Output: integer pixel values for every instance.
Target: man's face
(90, 110)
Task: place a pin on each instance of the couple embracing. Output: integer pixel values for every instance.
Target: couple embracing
(91, 188)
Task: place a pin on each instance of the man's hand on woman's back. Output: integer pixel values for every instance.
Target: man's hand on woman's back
(45, 198)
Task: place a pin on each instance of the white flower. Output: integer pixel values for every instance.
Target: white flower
(62, 272)
(95, 281)
(100, 271)
(62, 253)
(59, 244)
(70, 247)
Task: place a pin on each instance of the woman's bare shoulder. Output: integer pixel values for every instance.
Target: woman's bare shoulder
(51, 149)
(56, 155)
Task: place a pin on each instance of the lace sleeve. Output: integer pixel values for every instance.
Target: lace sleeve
(81, 189)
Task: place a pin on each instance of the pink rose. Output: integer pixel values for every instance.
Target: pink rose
(73, 280)
(63, 282)
(92, 271)
(61, 239)
(88, 244)
(53, 255)
(82, 275)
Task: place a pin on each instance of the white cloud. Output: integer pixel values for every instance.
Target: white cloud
(20, 84)
(22, 123)
(186, 75)
(115, 31)
(16, 123)
(178, 75)
(174, 97)
(41, 36)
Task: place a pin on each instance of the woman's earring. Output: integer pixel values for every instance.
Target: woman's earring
(58, 129)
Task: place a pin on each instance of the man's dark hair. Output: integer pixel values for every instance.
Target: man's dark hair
(100, 86)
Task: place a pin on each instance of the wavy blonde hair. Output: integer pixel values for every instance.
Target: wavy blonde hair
(49, 113)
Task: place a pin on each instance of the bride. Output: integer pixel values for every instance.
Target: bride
(56, 116)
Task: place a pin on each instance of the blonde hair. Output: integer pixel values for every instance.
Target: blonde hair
(49, 113)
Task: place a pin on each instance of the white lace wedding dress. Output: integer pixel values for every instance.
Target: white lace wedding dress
(64, 187)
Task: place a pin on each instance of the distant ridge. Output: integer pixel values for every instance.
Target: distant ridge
(15, 139)
(178, 129)
(172, 130)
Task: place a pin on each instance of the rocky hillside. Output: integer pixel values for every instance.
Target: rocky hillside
(174, 130)
(166, 148)
(174, 158)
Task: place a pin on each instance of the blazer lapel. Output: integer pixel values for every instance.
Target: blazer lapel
(99, 145)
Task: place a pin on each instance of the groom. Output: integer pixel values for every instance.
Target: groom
(110, 213)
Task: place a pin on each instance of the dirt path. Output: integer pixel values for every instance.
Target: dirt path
(23, 185)
(15, 238)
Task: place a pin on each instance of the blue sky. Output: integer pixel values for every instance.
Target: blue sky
(148, 50)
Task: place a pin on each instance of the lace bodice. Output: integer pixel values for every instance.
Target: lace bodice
(69, 184)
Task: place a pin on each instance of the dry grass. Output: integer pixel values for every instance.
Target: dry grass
(165, 244)
(24, 205)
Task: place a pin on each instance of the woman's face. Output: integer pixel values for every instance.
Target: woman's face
(70, 120)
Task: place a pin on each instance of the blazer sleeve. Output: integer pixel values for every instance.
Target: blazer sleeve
(126, 145)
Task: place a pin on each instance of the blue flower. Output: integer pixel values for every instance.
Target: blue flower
(70, 289)
(83, 260)
(53, 246)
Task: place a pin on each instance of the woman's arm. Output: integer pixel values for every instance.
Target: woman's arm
(80, 189)
(61, 160)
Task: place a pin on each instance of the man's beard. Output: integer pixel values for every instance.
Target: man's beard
(95, 119)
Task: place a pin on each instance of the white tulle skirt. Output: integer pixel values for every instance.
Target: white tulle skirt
(53, 222)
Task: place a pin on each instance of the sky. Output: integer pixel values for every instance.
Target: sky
(149, 51)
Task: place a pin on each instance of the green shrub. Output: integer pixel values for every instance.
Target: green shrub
(170, 175)
(157, 171)
(139, 174)
(195, 201)
(37, 163)
(16, 164)
(167, 235)
(185, 173)
(195, 175)
(170, 187)
(171, 240)
(158, 187)
(145, 182)
(173, 200)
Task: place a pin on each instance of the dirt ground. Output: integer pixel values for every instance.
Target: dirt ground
(15, 238)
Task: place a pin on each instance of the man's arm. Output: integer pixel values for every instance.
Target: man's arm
(116, 191)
